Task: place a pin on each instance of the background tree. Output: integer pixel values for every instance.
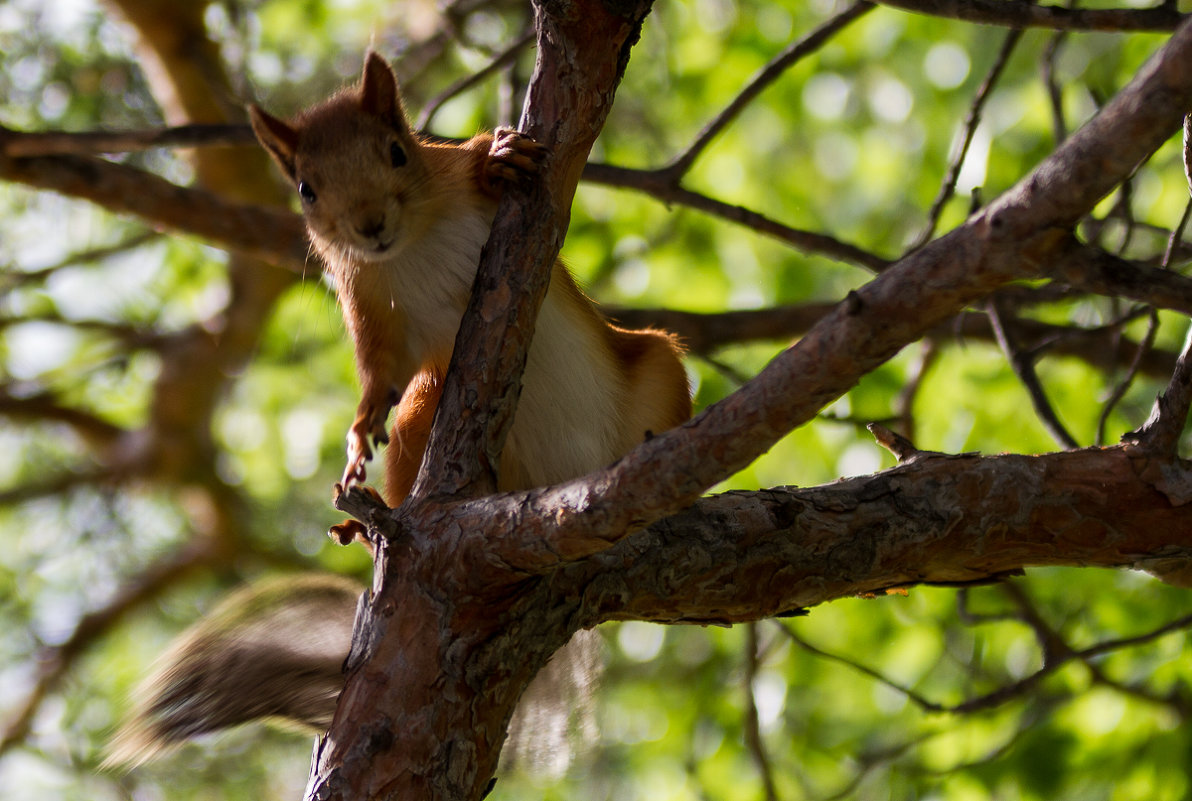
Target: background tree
(151, 382)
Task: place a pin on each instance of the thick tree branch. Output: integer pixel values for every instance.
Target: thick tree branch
(273, 235)
(1095, 270)
(394, 739)
(937, 519)
(567, 102)
(1014, 237)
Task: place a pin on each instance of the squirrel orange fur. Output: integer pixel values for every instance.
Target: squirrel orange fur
(399, 220)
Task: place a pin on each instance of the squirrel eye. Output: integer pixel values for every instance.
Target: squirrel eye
(397, 156)
(308, 195)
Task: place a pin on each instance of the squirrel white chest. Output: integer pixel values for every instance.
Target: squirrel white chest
(426, 281)
(567, 416)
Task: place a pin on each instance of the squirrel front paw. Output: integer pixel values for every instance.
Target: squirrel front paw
(368, 430)
(513, 157)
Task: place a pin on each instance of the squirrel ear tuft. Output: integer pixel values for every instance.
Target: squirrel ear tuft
(379, 94)
(277, 137)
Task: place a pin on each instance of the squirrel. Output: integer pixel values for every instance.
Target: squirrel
(399, 220)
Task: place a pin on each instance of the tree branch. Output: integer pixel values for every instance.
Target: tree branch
(937, 519)
(276, 236)
(568, 100)
(971, 121)
(791, 55)
(56, 662)
(1012, 238)
(657, 184)
(18, 144)
(1020, 14)
(1023, 364)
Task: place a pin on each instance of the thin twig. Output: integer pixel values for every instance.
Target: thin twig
(1055, 93)
(1119, 390)
(46, 407)
(904, 403)
(1057, 654)
(655, 183)
(752, 726)
(10, 277)
(971, 121)
(1021, 14)
(918, 700)
(1024, 367)
(768, 74)
(500, 61)
(1161, 432)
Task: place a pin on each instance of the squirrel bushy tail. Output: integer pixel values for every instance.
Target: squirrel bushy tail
(275, 651)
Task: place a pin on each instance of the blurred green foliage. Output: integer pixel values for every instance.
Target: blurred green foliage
(853, 142)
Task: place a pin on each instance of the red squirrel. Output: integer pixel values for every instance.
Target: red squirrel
(399, 220)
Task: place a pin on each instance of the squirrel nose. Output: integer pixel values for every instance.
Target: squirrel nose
(370, 228)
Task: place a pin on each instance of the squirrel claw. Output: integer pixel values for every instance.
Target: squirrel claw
(513, 156)
(362, 437)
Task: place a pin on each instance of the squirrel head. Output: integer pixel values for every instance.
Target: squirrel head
(357, 165)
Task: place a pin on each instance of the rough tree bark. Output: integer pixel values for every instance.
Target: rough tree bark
(444, 621)
(472, 594)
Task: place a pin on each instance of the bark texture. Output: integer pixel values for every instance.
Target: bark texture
(451, 638)
(472, 594)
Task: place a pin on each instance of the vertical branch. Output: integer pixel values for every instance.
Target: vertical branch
(1119, 391)
(753, 733)
(423, 713)
(1055, 95)
(582, 52)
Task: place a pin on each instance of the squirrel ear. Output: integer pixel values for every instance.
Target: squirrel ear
(277, 137)
(378, 92)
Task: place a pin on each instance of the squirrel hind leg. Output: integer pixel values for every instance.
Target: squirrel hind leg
(351, 530)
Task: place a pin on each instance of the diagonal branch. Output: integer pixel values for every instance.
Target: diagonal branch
(971, 122)
(657, 184)
(56, 662)
(768, 74)
(1023, 364)
(1011, 238)
(46, 406)
(567, 102)
(503, 59)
